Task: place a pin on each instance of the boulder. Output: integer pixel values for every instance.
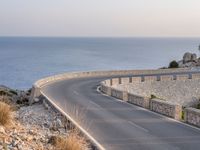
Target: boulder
(194, 58)
(2, 130)
(189, 57)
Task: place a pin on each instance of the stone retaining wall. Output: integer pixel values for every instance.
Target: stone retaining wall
(116, 93)
(48, 80)
(138, 100)
(192, 116)
(136, 79)
(106, 89)
(182, 77)
(150, 78)
(163, 107)
(195, 76)
(166, 108)
(125, 80)
(36, 92)
(167, 78)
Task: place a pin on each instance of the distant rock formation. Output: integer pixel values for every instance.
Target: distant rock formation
(189, 60)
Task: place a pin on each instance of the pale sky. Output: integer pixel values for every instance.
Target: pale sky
(115, 18)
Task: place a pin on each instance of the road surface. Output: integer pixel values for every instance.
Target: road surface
(117, 125)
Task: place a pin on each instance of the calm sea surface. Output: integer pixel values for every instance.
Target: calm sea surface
(25, 60)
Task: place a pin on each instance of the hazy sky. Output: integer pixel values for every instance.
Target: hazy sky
(100, 18)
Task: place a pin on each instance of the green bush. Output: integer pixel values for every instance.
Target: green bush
(198, 106)
(173, 64)
(153, 96)
(13, 92)
(3, 93)
(183, 113)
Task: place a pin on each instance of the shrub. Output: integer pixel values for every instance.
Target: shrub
(183, 113)
(5, 113)
(173, 64)
(72, 142)
(2, 93)
(198, 106)
(13, 92)
(153, 96)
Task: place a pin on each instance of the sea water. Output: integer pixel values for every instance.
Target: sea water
(23, 60)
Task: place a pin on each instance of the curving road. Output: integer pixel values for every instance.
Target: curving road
(117, 125)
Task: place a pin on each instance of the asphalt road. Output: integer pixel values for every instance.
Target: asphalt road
(117, 125)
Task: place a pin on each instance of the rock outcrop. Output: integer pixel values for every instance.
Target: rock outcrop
(18, 97)
(189, 60)
(32, 127)
(189, 57)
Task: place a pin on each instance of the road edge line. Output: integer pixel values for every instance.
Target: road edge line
(95, 142)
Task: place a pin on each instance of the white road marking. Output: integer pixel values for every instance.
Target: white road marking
(75, 123)
(95, 104)
(137, 126)
(75, 92)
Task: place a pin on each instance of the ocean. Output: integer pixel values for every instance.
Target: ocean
(24, 60)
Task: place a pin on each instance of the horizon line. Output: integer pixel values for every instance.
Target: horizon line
(41, 36)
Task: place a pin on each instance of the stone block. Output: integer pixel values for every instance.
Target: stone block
(150, 78)
(115, 81)
(138, 100)
(117, 93)
(182, 77)
(166, 78)
(136, 79)
(192, 116)
(166, 108)
(196, 76)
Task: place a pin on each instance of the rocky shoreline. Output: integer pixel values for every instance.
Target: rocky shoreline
(32, 127)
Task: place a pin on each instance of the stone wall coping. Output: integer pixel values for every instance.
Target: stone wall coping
(193, 110)
(136, 95)
(164, 102)
(70, 75)
(116, 89)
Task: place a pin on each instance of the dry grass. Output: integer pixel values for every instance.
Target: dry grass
(74, 141)
(5, 114)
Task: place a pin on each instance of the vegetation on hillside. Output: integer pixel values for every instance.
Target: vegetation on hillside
(173, 64)
(5, 114)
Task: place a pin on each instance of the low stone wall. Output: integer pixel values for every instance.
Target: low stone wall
(136, 80)
(182, 77)
(105, 89)
(70, 75)
(166, 108)
(150, 78)
(192, 116)
(117, 93)
(167, 78)
(115, 81)
(45, 81)
(160, 106)
(125, 80)
(180, 88)
(195, 76)
(138, 100)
